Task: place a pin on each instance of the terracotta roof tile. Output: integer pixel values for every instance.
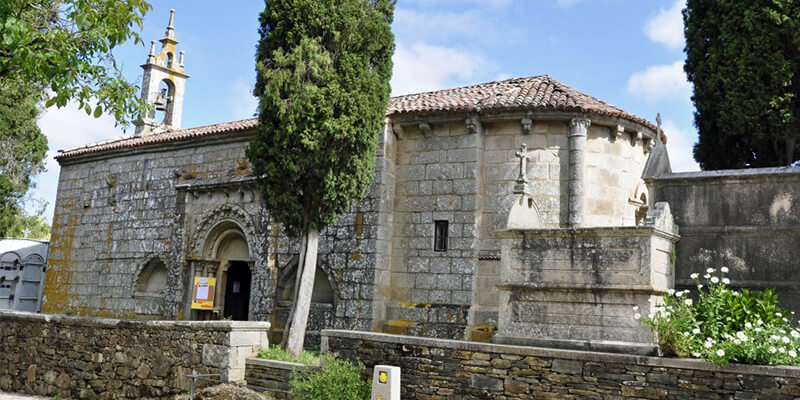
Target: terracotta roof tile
(535, 93)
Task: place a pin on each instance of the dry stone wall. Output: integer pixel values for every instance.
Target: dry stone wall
(79, 357)
(434, 369)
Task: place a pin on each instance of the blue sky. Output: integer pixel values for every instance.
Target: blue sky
(626, 52)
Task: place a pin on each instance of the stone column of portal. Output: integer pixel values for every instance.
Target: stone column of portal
(578, 129)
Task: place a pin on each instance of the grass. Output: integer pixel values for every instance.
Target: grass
(279, 354)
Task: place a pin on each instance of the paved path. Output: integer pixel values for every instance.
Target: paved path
(18, 396)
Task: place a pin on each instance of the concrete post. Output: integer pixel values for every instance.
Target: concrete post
(578, 128)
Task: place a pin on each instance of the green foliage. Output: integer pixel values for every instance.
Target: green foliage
(24, 148)
(30, 226)
(323, 69)
(335, 380)
(725, 325)
(279, 354)
(743, 58)
(66, 46)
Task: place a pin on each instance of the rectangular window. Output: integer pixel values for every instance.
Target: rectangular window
(440, 236)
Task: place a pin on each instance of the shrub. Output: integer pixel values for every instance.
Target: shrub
(335, 380)
(279, 354)
(724, 325)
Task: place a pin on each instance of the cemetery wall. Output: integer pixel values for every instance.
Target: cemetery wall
(746, 220)
(110, 359)
(435, 369)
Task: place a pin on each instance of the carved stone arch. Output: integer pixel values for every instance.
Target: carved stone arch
(225, 215)
(518, 211)
(33, 259)
(10, 259)
(151, 275)
(286, 282)
(640, 199)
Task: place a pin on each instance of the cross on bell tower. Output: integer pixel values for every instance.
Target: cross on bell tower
(163, 85)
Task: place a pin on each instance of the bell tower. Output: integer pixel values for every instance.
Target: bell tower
(163, 85)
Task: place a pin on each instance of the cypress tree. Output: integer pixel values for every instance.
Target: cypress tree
(323, 70)
(744, 60)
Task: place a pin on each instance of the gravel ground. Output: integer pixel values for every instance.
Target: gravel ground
(18, 396)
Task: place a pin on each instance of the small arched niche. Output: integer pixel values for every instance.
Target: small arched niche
(163, 103)
(153, 278)
(322, 292)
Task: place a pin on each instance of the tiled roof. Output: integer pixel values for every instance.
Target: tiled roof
(169, 136)
(536, 93)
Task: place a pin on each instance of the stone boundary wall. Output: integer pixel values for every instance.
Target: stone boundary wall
(271, 375)
(80, 357)
(444, 369)
(747, 220)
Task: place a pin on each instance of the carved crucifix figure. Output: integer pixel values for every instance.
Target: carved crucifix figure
(523, 156)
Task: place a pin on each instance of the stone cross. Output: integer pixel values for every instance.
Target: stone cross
(523, 156)
(658, 121)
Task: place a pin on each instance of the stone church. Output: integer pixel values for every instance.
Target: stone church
(519, 210)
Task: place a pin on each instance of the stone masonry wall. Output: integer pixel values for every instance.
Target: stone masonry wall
(78, 357)
(746, 220)
(117, 211)
(434, 369)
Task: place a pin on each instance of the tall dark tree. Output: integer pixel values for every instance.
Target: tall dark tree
(23, 150)
(323, 70)
(744, 60)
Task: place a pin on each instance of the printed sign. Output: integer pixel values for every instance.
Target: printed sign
(203, 293)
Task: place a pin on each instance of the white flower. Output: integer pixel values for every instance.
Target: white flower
(714, 279)
(758, 329)
(741, 335)
(735, 293)
(720, 352)
(688, 302)
(795, 334)
(781, 349)
(726, 281)
(775, 338)
(777, 314)
(708, 345)
(686, 333)
(637, 316)
(694, 275)
(748, 325)
(792, 353)
(785, 339)
(737, 341)
(699, 287)
(710, 270)
(650, 316)
(696, 354)
(706, 276)
(635, 308)
(679, 294)
(772, 350)
(785, 319)
(760, 322)
(724, 269)
(696, 331)
(667, 314)
(671, 292)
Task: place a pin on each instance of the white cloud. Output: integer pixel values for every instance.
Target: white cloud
(667, 27)
(67, 128)
(568, 3)
(660, 82)
(421, 67)
(242, 102)
(679, 146)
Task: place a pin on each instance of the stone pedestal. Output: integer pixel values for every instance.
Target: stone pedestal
(576, 288)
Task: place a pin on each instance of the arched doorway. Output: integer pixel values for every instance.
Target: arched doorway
(229, 261)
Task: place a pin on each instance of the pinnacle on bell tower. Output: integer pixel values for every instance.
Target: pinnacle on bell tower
(163, 85)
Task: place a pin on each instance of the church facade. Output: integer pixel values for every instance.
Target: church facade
(138, 219)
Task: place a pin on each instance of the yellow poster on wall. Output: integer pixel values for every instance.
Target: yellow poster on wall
(203, 293)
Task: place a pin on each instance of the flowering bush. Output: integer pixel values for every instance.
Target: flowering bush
(725, 325)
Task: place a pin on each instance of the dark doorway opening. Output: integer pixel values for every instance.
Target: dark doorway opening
(237, 291)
